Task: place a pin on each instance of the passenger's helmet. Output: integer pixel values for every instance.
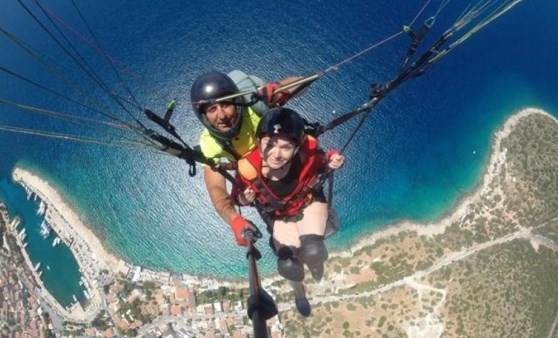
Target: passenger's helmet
(211, 86)
(284, 122)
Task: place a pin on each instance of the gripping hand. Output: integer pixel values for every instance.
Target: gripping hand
(269, 95)
(334, 159)
(238, 225)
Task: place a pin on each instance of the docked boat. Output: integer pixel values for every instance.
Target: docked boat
(37, 266)
(75, 299)
(25, 245)
(86, 294)
(56, 241)
(42, 208)
(16, 222)
(40, 273)
(45, 229)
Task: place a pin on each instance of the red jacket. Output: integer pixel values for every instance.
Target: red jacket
(249, 175)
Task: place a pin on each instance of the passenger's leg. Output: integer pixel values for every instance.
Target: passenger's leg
(311, 230)
(289, 264)
(314, 254)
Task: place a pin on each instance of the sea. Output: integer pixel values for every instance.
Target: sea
(418, 152)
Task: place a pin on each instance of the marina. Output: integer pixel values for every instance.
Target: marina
(82, 266)
(32, 229)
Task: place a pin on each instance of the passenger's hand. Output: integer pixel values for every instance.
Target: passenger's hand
(247, 196)
(334, 159)
(269, 95)
(238, 225)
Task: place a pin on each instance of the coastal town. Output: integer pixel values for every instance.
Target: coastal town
(486, 269)
(122, 299)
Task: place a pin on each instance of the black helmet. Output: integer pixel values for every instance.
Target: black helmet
(282, 121)
(211, 86)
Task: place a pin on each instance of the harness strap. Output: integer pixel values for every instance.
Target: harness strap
(416, 39)
(271, 200)
(227, 146)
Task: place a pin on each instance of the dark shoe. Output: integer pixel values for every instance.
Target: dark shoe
(303, 306)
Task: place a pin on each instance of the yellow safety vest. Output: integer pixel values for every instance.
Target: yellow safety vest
(243, 143)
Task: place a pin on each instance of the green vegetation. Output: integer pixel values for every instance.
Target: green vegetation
(222, 293)
(101, 322)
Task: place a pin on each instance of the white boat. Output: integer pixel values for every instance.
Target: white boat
(25, 245)
(45, 229)
(86, 294)
(42, 208)
(48, 267)
(75, 299)
(40, 273)
(56, 241)
(16, 222)
(23, 236)
(37, 266)
(21, 232)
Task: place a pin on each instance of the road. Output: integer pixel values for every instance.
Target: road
(524, 233)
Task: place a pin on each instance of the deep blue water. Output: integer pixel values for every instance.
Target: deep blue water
(422, 148)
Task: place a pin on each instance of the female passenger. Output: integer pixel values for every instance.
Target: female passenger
(281, 176)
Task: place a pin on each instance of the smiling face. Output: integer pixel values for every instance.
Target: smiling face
(222, 116)
(277, 150)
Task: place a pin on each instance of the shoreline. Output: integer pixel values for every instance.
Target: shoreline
(112, 263)
(460, 207)
(96, 265)
(55, 204)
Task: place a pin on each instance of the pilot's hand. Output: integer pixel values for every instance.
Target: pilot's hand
(269, 95)
(238, 225)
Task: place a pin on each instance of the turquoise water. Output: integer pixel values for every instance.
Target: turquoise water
(423, 147)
